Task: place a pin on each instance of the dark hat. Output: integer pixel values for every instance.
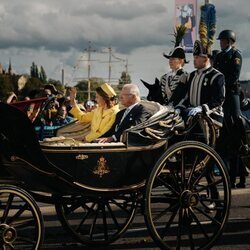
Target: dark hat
(52, 88)
(227, 34)
(199, 50)
(177, 52)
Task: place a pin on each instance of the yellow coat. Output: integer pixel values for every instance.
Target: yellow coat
(101, 120)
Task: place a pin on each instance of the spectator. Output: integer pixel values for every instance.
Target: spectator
(89, 105)
(12, 98)
(101, 118)
(62, 117)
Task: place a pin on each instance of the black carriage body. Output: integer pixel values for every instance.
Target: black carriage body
(105, 166)
(185, 203)
(60, 169)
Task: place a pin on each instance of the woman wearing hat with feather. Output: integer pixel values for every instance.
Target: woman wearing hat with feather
(101, 118)
(173, 83)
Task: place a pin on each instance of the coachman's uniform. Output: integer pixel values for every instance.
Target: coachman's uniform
(206, 88)
(173, 86)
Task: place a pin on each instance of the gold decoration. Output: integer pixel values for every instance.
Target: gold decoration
(82, 157)
(237, 60)
(101, 168)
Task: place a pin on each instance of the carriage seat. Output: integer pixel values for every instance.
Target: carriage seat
(152, 107)
(160, 126)
(64, 142)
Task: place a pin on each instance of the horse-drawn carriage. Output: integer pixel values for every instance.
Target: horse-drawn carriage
(97, 188)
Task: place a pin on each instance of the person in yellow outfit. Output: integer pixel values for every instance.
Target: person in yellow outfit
(101, 118)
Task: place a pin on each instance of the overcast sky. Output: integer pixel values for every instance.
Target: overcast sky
(55, 34)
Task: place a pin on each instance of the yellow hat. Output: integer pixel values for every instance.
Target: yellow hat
(108, 90)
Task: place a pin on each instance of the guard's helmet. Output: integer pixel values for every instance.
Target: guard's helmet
(227, 34)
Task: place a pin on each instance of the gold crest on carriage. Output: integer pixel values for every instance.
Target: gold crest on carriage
(102, 167)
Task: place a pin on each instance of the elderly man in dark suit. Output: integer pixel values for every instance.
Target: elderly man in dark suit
(133, 114)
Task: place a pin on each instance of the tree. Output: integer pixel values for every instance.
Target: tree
(42, 75)
(125, 78)
(33, 70)
(83, 88)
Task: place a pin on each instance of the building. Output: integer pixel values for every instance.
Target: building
(6, 72)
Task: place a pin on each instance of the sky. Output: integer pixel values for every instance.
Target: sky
(56, 34)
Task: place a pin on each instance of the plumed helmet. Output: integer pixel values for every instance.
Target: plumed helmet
(200, 50)
(227, 34)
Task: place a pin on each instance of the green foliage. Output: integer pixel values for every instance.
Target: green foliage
(124, 79)
(34, 72)
(42, 75)
(34, 85)
(82, 86)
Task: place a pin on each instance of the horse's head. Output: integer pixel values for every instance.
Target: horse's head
(154, 91)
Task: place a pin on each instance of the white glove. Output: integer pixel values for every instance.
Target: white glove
(177, 111)
(194, 111)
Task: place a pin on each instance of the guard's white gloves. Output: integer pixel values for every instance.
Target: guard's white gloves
(177, 111)
(194, 111)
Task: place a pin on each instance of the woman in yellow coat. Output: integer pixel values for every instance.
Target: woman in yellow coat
(101, 118)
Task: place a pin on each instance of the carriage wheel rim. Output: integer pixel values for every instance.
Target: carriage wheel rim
(25, 196)
(188, 200)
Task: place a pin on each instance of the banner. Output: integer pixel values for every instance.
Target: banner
(186, 14)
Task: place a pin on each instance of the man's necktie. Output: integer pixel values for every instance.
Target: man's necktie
(124, 115)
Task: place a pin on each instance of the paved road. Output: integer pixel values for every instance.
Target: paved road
(236, 235)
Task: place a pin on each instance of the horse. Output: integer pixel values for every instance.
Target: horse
(154, 93)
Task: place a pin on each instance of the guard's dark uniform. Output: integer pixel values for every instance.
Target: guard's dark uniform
(229, 63)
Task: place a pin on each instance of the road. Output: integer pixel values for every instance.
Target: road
(236, 235)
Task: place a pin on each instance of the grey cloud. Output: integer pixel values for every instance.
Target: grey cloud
(63, 28)
(124, 10)
(104, 22)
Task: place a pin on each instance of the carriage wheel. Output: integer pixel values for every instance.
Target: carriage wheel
(187, 204)
(202, 129)
(96, 220)
(21, 222)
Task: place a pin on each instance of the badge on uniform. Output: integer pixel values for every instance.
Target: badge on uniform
(205, 83)
(237, 60)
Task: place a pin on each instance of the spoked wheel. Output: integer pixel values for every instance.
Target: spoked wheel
(96, 220)
(21, 222)
(201, 129)
(187, 203)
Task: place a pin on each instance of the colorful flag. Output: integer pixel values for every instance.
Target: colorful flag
(186, 14)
